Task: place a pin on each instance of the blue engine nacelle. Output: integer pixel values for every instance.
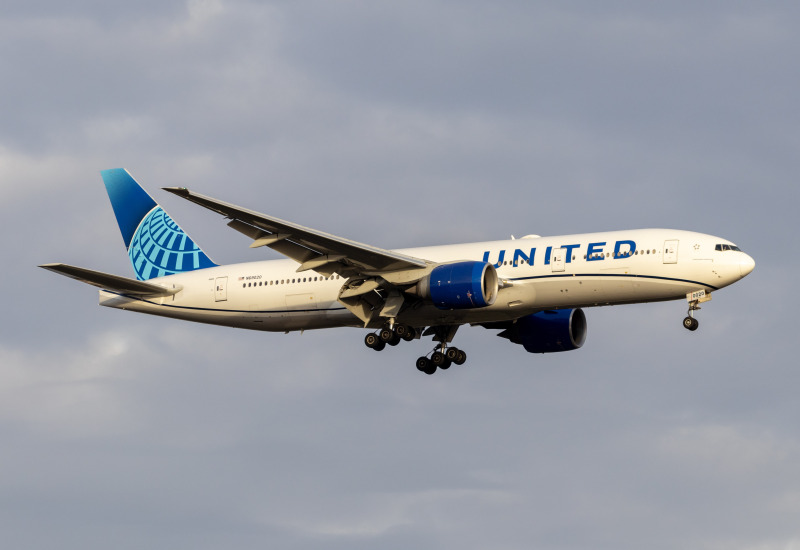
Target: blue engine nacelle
(460, 285)
(549, 331)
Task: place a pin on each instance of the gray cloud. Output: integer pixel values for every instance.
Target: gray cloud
(398, 126)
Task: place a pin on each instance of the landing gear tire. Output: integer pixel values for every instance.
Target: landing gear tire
(440, 360)
(425, 365)
(373, 342)
(690, 323)
(386, 336)
(456, 356)
(405, 332)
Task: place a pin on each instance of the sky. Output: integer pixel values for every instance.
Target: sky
(399, 125)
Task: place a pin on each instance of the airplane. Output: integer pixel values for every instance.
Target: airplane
(532, 288)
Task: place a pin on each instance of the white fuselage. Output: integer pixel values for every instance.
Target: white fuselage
(592, 269)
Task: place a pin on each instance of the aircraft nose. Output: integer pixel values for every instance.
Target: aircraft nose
(746, 265)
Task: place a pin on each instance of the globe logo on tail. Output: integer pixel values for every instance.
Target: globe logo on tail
(159, 247)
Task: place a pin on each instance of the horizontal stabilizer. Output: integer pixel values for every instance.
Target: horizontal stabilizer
(115, 283)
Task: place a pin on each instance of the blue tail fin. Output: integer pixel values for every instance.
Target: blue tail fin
(155, 243)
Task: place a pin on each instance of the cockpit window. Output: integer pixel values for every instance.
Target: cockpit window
(723, 247)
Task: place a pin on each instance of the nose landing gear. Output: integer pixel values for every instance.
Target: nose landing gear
(695, 299)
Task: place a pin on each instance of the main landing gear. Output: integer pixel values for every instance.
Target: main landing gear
(441, 357)
(391, 336)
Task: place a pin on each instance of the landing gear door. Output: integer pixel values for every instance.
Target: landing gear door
(670, 252)
(557, 261)
(221, 289)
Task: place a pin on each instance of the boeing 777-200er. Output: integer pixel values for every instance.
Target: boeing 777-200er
(532, 289)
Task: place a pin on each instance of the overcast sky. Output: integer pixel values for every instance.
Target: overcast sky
(399, 124)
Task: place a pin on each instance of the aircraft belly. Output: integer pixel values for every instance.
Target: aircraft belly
(307, 311)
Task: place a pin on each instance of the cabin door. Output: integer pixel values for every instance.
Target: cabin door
(557, 260)
(670, 252)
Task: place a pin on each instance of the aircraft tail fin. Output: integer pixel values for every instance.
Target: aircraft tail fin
(156, 245)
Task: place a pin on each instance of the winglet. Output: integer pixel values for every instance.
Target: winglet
(180, 191)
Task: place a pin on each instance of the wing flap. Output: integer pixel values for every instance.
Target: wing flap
(115, 283)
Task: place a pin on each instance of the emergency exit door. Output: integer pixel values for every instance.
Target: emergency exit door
(221, 289)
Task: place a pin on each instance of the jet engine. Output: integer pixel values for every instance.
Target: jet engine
(460, 285)
(549, 331)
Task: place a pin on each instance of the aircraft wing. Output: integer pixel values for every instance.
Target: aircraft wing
(115, 283)
(313, 249)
